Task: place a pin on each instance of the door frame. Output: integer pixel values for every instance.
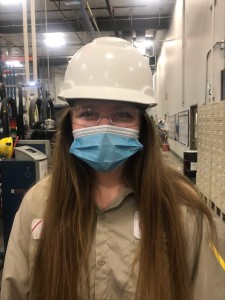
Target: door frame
(193, 125)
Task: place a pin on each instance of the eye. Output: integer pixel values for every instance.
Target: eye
(88, 113)
(122, 115)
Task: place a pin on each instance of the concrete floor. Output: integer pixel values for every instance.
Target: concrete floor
(176, 163)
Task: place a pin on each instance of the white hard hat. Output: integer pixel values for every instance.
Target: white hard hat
(109, 68)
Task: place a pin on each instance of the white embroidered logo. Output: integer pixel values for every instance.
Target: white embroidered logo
(36, 227)
(137, 230)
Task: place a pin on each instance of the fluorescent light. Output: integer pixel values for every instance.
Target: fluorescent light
(148, 43)
(13, 63)
(32, 83)
(9, 2)
(76, 2)
(54, 40)
(140, 47)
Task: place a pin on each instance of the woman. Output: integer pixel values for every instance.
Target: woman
(112, 221)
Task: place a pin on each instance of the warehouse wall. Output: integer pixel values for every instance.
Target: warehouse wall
(191, 60)
(189, 67)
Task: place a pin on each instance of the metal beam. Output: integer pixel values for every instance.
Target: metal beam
(104, 24)
(112, 19)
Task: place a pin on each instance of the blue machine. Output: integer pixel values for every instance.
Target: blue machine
(17, 176)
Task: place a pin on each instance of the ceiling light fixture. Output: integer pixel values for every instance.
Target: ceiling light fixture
(68, 3)
(148, 43)
(13, 64)
(54, 40)
(10, 2)
(32, 83)
(140, 47)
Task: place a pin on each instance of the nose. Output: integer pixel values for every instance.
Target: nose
(105, 120)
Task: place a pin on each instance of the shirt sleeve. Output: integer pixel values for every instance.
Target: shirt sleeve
(15, 277)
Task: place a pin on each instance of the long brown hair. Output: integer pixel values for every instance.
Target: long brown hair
(70, 218)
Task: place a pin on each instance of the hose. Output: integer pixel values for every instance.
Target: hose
(7, 105)
(2, 91)
(47, 110)
(20, 123)
(34, 104)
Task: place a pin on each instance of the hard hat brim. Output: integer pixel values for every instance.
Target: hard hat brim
(108, 93)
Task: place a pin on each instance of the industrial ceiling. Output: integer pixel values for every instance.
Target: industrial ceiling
(81, 21)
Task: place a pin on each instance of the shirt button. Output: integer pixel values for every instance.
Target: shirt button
(102, 216)
(101, 262)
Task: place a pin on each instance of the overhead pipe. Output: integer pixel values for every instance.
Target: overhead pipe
(93, 18)
(33, 39)
(211, 98)
(88, 24)
(183, 53)
(109, 8)
(25, 41)
(46, 31)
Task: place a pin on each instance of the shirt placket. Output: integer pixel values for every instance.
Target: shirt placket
(102, 264)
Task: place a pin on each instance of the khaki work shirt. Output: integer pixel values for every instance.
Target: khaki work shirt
(116, 240)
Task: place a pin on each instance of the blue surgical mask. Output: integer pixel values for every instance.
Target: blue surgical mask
(105, 147)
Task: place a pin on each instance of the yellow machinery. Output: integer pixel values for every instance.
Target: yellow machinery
(6, 147)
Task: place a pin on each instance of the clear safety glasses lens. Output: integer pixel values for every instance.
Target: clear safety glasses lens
(91, 115)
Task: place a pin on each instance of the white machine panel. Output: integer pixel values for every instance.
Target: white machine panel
(29, 153)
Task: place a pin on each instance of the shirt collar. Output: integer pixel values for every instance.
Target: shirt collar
(118, 200)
